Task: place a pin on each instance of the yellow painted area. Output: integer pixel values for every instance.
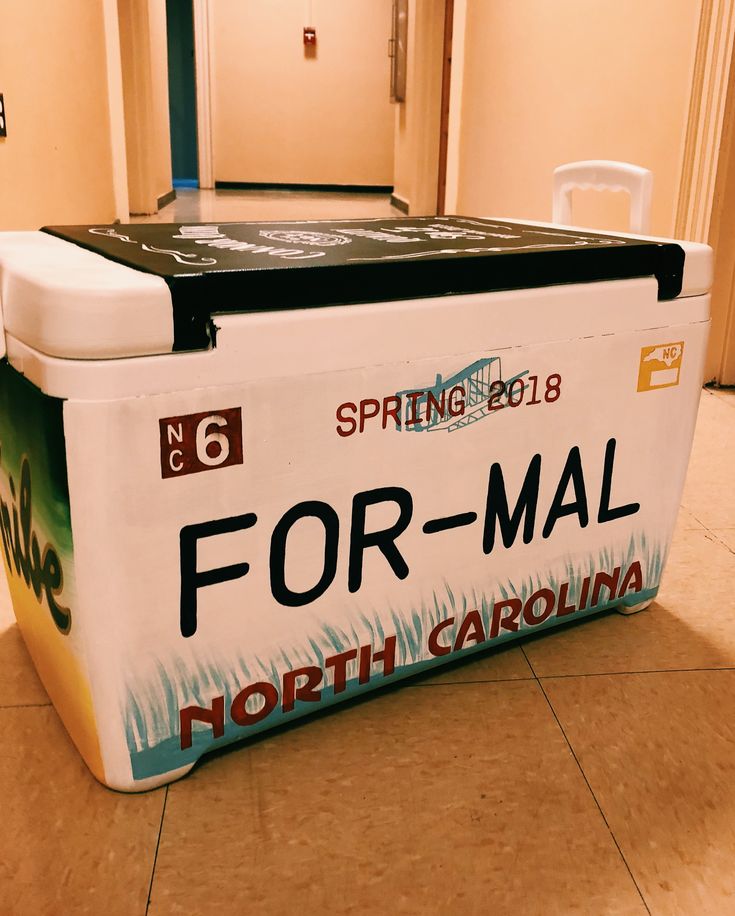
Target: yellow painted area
(60, 671)
(660, 366)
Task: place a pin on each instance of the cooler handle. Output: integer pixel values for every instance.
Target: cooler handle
(604, 175)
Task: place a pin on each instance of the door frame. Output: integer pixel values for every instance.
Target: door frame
(202, 11)
(441, 193)
(707, 188)
(454, 117)
(116, 111)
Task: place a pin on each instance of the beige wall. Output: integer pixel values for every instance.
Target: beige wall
(547, 83)
(144, 58)
(282, 116)
(418, 118)
(56, 163)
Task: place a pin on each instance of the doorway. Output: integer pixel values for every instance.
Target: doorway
(192, 28)
(182, 93)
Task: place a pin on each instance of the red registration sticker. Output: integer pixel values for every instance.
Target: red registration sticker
(200, 442)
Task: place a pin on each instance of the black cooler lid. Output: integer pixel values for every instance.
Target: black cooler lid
(238, 267)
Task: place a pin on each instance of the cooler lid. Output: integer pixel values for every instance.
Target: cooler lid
(143, 288)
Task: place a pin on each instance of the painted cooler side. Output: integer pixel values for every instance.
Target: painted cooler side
(38, 552)
(250, 552)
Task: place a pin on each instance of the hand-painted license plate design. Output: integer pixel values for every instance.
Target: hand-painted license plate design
(319, 566)
(450, 404)
(200, 442)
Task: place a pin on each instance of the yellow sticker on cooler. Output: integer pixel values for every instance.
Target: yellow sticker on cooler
(660, 366)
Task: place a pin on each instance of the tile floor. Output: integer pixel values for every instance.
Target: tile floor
(590, 770)
(208, 206)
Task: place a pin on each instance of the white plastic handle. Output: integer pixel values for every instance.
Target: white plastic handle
(604, 175)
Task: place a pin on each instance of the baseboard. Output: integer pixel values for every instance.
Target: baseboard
(165, 199)
(399, 203)
(277, 186)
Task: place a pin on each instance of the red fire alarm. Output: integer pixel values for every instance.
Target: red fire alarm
(309, 36)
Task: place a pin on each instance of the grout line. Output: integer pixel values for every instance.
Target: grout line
(25, 705)
(707, 530)
(719, 540)
(587, 782)
(561, 677)
(528, 662)
(155, 855)
(496, 680)
(715, 392)
(697, 520)
(555, 677)
(535, 676)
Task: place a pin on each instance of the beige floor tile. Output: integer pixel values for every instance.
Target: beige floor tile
(19, 683)
(207, 206)
(727, 536)
(658, 753)
(507, 663)
(687, 521)
(447, 800)
(690, 625)
(708, 493)
(68, 846)
(726, 394)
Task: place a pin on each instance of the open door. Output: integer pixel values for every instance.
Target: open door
(143, 59)
(419, 117)
(182, 93)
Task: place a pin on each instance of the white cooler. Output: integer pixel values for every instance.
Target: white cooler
(251, 470)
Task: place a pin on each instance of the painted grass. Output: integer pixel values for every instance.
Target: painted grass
(151, 710)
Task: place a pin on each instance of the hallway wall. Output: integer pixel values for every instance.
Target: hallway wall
(547, 83)
(56, 162)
